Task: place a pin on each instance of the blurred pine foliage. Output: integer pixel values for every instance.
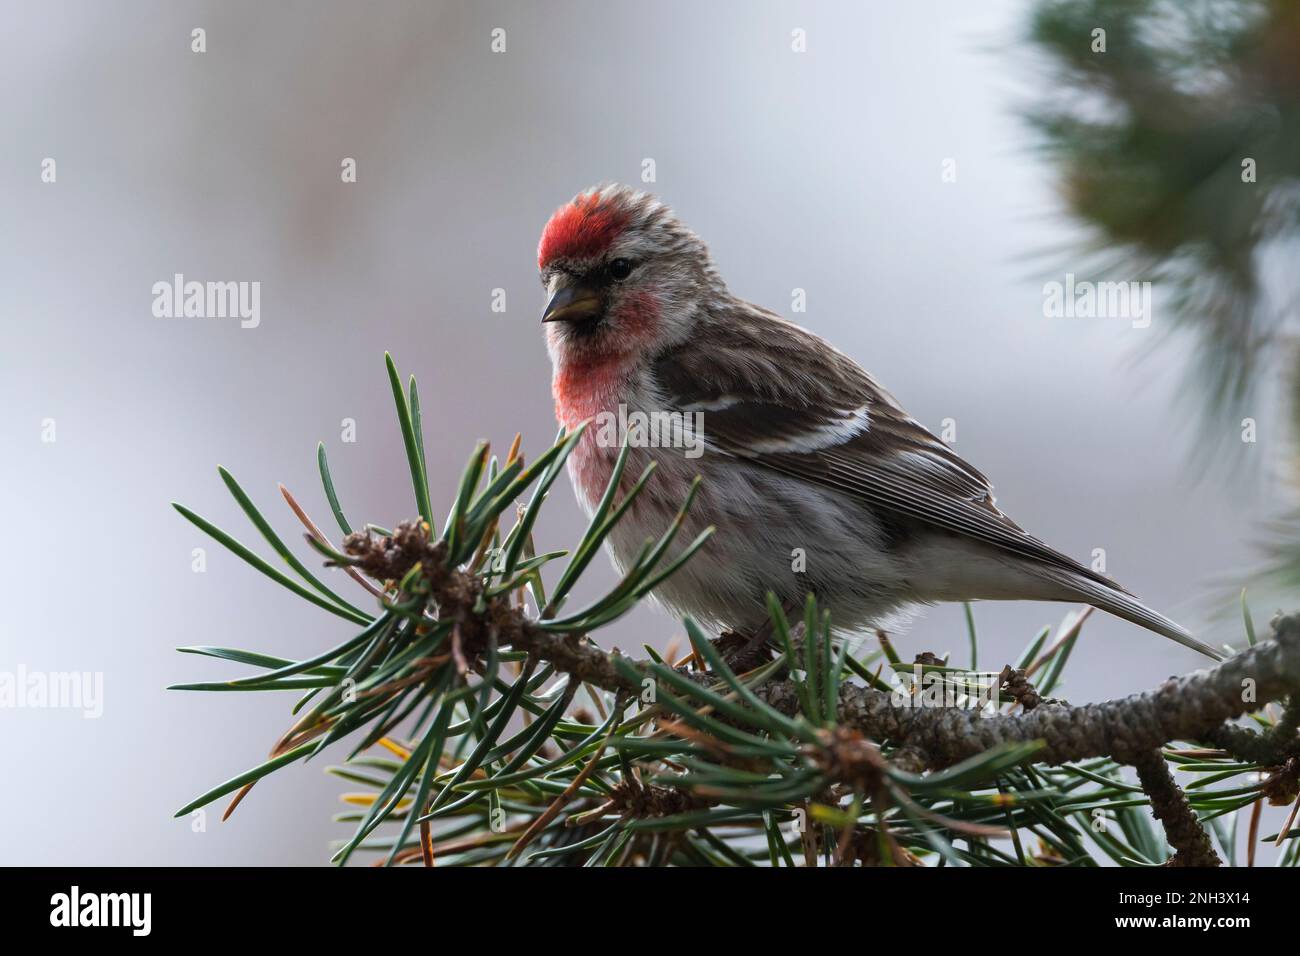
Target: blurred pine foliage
(1179, 145)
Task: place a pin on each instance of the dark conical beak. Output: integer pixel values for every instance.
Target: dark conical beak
(574, 303)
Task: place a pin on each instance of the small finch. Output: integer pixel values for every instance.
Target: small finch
(814, 476)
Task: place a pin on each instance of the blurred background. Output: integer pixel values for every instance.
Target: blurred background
(921, 170)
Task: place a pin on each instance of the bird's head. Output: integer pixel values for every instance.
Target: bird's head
(623, 278)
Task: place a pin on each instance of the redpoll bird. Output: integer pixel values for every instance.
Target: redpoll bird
(813, 475)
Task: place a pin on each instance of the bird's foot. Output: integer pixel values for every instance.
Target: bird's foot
(744, 652)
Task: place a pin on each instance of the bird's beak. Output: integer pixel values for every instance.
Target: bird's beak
(573, 303)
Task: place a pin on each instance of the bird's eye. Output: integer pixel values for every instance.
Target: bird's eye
(620, 268)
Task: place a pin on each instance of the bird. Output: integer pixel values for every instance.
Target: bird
(814, 477)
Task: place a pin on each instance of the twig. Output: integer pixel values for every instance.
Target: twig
(321, 539)
(1183, 829)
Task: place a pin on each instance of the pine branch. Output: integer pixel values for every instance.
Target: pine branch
(793, 758)
(1131, 729)
(1194, 707)
(1169, 804)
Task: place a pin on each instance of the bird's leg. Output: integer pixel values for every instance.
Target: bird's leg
(747, 657)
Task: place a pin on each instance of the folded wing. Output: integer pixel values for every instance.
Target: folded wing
(778, 396)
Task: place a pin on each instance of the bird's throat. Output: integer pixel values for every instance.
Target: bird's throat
(585, 386)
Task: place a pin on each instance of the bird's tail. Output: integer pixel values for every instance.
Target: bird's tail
(1122, 604)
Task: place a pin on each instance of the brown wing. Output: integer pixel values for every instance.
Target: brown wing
(786, 400)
